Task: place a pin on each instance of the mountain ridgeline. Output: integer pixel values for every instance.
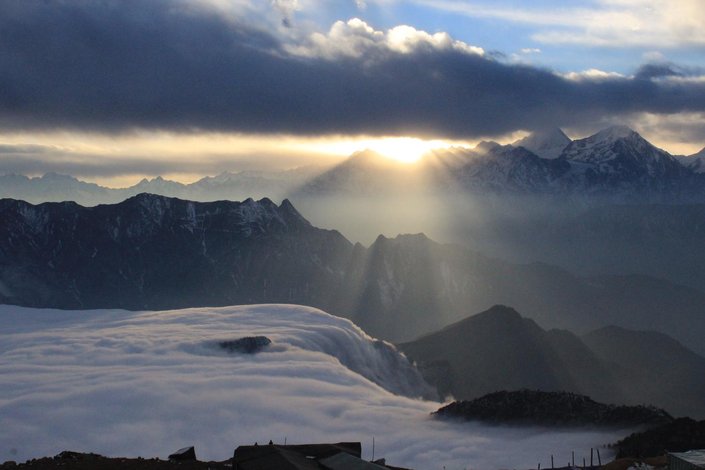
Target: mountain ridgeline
(631, 207)
(614, 165)
(499, 349)
(153, 252)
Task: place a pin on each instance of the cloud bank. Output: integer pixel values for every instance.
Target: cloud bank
(114, 66)
(605, 23)
(147, 383)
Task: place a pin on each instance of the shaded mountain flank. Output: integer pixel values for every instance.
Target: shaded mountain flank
(500, 350)
(680, 435)
(533, 407)
(631, 207)
(153, 252)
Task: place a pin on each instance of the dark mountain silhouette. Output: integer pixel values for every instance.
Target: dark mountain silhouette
(499, 350)
(656, 367)
(535, 407)
(680, 435)
(153, 252)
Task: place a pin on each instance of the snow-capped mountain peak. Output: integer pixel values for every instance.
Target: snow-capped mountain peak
(618, 158)
(614, 133)
(486, 146)
(548, 143)
(613, 143)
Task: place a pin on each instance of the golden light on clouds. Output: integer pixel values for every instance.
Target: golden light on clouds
(401, 149)
(123, 159)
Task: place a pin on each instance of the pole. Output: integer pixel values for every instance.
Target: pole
(590, 457)
(572, 457)
(599, 460)
(373, 448)
(551, 461)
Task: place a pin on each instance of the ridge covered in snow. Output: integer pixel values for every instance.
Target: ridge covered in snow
(548, 143)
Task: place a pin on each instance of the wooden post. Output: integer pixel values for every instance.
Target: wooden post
(551, 461)
(583, 463)
(572, 458)
(599, 460)
(539, 467)
(373, 448)
(590, 457)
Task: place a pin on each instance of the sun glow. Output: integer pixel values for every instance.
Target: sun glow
(405, 149)
(401, 149)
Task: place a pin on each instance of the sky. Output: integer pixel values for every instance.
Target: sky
(116, 90)
(147, 383)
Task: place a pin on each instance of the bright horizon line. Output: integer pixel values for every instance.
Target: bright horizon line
(125, 160)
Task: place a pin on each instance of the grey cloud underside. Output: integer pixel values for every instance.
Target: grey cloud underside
(114, 66)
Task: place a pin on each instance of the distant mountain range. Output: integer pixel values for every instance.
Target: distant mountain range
(616, 164)
(500, 350)
(154, 252)
(234, 186)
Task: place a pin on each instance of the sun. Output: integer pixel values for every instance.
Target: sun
(403, 149)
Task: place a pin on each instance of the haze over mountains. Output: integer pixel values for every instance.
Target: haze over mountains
(616, 164)
(627, 204)
(500, 350)
(53, 187)
(154, 252)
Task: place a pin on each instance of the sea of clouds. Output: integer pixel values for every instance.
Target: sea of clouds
(147, 383)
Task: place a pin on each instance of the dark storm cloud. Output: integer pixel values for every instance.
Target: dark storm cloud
(119, 65)
(649, 71)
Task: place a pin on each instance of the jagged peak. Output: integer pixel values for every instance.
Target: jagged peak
(496, 315)
(486, 146)
(287, 209)
(504, 311)
(615, 133)
(546, 143)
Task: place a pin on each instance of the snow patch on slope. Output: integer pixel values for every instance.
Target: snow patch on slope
(546, 144)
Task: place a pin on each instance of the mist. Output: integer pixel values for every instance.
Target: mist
(146, 383)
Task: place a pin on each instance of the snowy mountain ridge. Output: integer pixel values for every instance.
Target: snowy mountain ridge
(615, 163)
(548, 143)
